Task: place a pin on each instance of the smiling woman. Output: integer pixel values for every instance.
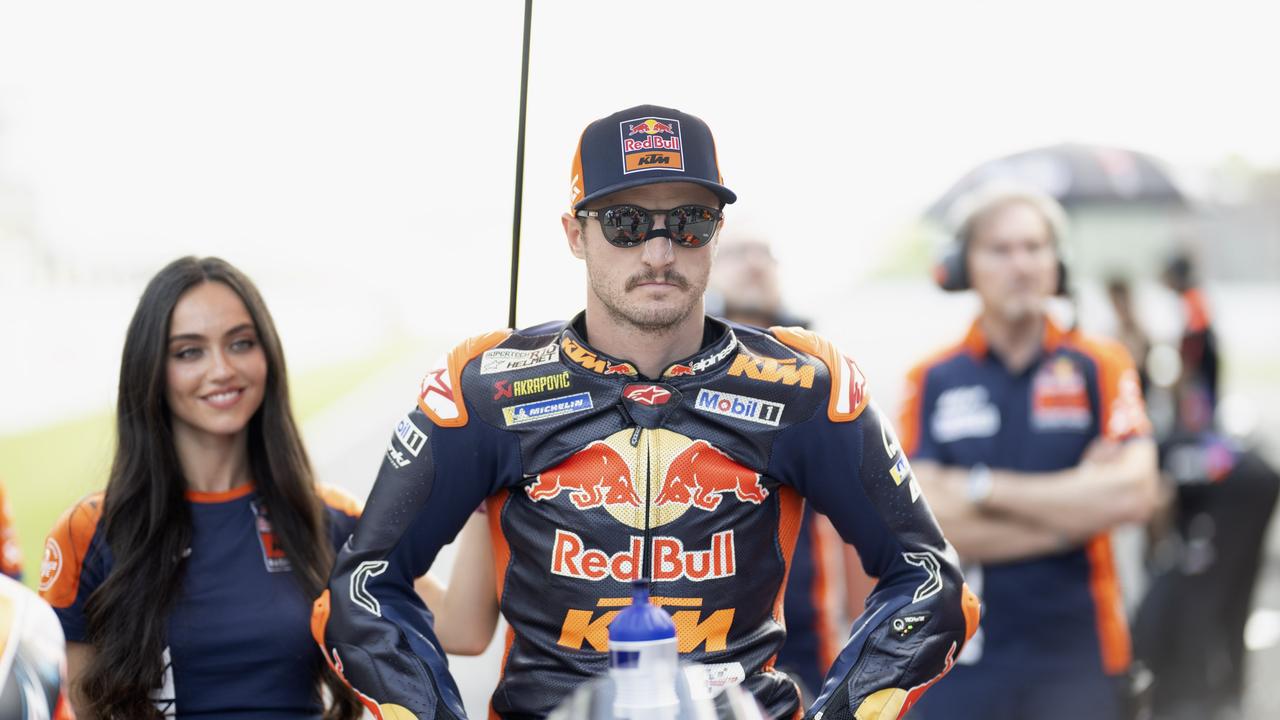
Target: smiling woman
(185, 587)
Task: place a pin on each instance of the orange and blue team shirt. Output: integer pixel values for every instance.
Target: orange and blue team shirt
(239, 640)
(10, 552)
(962, 408)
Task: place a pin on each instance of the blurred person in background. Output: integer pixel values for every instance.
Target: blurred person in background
(185, 588)
(1190, 626)
(642, 440)
(744, 289)
(10, 551)
(1128, 330)
(32, 657)
(1030, 442)
(1196, 392)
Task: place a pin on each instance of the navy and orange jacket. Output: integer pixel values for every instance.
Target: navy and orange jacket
(962, 408)
(238, 635)
(595, 476)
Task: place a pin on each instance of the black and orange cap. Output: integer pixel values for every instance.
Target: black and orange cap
(643, 145)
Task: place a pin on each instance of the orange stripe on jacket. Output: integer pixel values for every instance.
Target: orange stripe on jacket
(790, 515)
(64, 551)
(1104, 586)
(501, 561)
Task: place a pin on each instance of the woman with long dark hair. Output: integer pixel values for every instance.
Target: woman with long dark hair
(185, 588)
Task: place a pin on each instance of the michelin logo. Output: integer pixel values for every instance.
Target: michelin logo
(549, 408)
(739, 406)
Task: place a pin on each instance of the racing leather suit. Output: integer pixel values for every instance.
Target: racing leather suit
(594, 476)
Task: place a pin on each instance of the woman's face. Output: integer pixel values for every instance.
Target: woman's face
(217, 371)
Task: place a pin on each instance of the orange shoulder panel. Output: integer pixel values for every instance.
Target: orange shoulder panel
(441, 394)
(848, 385)
(339, 499)
(1123, 411)
(65, 549)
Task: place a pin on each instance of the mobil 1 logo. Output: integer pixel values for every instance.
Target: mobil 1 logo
(739, 406)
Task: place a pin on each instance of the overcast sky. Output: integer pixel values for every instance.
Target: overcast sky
(376, 138)
(370, 148)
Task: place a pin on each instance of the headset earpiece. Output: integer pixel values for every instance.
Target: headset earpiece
(950, 273)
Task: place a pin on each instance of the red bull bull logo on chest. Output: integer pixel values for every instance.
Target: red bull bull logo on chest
(662, 477)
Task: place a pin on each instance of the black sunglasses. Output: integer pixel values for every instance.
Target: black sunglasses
(626, 226)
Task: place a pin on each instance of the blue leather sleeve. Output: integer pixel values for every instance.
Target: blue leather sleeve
(378, 633)
(920, 614)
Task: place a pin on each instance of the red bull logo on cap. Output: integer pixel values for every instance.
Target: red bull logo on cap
(682, 473)
(651, 144)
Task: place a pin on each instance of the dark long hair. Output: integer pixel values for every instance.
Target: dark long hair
(146, 521)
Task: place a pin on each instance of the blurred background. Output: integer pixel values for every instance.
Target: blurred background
(359, 165)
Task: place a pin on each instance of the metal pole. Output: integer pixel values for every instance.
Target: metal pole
(515, 223)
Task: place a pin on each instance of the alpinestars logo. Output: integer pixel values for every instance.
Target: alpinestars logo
(647, 394)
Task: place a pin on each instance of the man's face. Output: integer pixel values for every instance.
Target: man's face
(656, 285)
(1013, 265)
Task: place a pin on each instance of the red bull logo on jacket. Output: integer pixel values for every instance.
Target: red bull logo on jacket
(651, 144)
(670, 561)
(1060, 398)
(682, 473)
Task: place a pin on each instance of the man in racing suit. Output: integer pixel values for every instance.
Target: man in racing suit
(687, 463)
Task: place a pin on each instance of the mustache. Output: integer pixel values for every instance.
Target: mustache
(671, 276)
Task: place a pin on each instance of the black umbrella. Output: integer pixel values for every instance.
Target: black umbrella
(1077, 175)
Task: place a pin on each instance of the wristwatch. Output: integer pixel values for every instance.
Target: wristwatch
(978, 488)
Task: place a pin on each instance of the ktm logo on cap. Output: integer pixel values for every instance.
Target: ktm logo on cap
(651, 144)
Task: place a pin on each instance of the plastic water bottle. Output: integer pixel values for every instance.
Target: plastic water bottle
(643, 659)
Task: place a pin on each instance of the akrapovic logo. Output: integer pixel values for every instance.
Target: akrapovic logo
(739, 406)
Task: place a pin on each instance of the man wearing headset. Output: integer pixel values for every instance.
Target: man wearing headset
(1031, 442)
